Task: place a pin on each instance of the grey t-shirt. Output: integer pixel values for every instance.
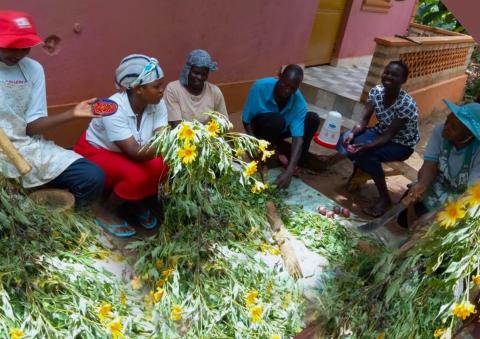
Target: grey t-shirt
(457, 156)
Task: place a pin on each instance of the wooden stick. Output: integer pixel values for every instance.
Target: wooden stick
(13, 154)
(282, 238)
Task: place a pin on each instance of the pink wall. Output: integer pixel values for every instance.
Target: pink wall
(466, 12)
(248, 38)
(362, 27)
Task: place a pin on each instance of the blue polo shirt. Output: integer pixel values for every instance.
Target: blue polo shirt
(261, 100)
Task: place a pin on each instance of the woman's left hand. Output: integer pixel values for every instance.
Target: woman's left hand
(84, 109)
(357, 148)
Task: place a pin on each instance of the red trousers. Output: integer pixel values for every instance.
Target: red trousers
(129, 180)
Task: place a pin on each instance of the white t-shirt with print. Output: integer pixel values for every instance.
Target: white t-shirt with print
(103, 132)
(38, 104)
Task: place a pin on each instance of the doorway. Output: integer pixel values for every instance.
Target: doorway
(326, 26)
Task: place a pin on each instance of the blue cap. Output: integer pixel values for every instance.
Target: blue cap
(468, 114)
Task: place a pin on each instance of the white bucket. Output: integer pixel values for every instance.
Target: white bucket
(330, 132)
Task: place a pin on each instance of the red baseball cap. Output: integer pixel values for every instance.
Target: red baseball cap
(17, 30)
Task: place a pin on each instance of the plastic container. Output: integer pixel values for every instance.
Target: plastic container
(330, 132)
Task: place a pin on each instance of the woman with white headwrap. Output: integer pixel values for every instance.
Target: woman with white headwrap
(192, 95)
(116, 142)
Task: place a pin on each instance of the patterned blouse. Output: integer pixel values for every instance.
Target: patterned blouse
(404, 108)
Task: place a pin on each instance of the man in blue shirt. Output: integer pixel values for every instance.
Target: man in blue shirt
(275, 110)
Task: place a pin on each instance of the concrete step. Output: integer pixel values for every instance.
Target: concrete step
(330, 101)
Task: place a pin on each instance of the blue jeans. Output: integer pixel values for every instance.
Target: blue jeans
(371, 160)
(83, 179)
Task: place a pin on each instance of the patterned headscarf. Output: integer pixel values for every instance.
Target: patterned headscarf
(137, 69)
(197, 58)
(468, 114)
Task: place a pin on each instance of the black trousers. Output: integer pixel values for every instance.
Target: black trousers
(271, 127)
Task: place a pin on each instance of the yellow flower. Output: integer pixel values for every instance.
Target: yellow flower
(451, 214)
(104, 311)
(115, 328)
(251, 297)
(258, 187)
(463, 310)
(473, 195)
(123, 298)
(149, 299)
(187, 154)
(381, 335)
(102, 254)
(274, 250)
(439, 332)
(263, 145)
(267, 154)
(213, 128)
(159, 264)
(476, 279)
(16, 333)
(239, 152)
(136, 283)
(275, 336)
(256, 313)
(167, 272)
(269, 287)
(264, 247)
(160, 283)
(158, 294)
(118, 257)
(186, 133)
(176, 312)
(251, 168)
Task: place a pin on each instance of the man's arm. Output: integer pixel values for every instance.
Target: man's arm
(43, 124)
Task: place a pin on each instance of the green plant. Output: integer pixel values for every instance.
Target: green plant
(434, 13)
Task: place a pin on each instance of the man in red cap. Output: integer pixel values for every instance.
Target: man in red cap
(24, 117)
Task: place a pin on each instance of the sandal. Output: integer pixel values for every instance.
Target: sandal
(147, 219)
(115, 229)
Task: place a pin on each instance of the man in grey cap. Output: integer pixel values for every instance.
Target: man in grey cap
(192, 95)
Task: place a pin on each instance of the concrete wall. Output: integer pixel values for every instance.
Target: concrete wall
(248, 38)
(361, 27)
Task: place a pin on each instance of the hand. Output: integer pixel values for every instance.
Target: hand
(416, 192)
(356, 148)
(84, 109)
(358, 128)
(283, 180)
(348, 138)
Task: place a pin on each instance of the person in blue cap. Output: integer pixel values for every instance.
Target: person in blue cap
(451, 162)
(192, 95)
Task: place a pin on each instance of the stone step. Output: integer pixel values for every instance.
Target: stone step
(331, 101)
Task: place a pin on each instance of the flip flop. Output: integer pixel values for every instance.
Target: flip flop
(113, 229)
(143, 219)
